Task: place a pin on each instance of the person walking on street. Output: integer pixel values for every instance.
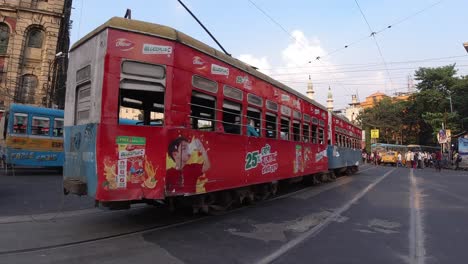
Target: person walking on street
(438, 161)
(399, 160)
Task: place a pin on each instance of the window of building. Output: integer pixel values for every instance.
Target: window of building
(202, 111)
(4, 38)
(337, 142)
(58, 127)
(35, 38)
(284, 128)
(296, 130)
(20, 123)
(232, 117)
(28, 86)
(306, 132)
(271, 125)
(142, 91)
(40, 126)
(321, 136)
(205, 84)
(256, 115)
(314, 134)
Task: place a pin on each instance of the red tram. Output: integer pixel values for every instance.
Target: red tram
(152, 113)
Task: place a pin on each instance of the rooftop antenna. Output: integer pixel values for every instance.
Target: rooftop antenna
(201, 24)
(128, 14)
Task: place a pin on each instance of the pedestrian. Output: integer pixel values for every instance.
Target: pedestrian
(399, 160)
(458, 159)
(408, 159)
(438, 161)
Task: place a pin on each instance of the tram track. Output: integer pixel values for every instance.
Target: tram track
(315, 190)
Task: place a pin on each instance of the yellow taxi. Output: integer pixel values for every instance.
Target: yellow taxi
(390, 157)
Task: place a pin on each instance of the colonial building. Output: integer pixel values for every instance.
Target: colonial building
(34, 40)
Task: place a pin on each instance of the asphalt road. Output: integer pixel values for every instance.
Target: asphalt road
(381, 215)
(36, 191)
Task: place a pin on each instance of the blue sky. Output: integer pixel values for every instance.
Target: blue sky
(429, 29)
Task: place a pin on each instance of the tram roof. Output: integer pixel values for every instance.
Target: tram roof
(36, 110)
(175, 35)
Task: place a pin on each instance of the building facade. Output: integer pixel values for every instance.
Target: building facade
(34, 40)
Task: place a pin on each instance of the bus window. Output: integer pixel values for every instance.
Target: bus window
(232, 117)
(20, 123)
(256, 115)
(202, 111)
(314, 134)
(40, 126)
(58, 127)
(306, 132)
(285, 128)
(271, 125)
(321, 136)
(296, 130)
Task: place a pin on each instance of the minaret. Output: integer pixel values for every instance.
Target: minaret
(330, 100)
(310, 89)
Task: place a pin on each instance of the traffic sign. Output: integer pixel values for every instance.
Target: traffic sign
(374, 133)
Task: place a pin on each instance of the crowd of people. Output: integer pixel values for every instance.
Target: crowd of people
(416, 159)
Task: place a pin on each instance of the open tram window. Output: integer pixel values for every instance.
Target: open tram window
(284, 128)
(58, 127)
(296, 130)
(306, 132)
(232, 117)
(255, 115)
(40, 126)
(314, 134)
(141, 96)
(20, 123)
(271, 125)
(202, 111)
(321, 136)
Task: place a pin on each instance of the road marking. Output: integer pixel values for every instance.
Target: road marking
(416, 231)
(318, 228)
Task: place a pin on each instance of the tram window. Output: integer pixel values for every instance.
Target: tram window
(202, 111)
(296, 130)
(144, 99)
(204, 84)
(143, 69)
(20, 123)
(314, 134)
(232, 117)
(58, 127)
(40, 126)
(256, 115)
(83, 104)
(321, 136)
(271, 125)
(285, 128)
(306, 132)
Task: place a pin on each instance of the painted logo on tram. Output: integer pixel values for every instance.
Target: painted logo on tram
(156, 49)
(198, 61)
(124, 44)
(219, 70)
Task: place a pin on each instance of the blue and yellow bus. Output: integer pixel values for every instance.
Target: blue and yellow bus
(32, 136)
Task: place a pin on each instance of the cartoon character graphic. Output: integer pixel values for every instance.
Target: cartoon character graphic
(186, 164)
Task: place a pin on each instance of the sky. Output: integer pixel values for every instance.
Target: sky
(284, 38)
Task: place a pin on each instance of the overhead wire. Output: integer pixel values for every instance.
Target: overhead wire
(372, 33)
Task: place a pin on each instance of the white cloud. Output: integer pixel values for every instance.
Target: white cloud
(261, 63)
